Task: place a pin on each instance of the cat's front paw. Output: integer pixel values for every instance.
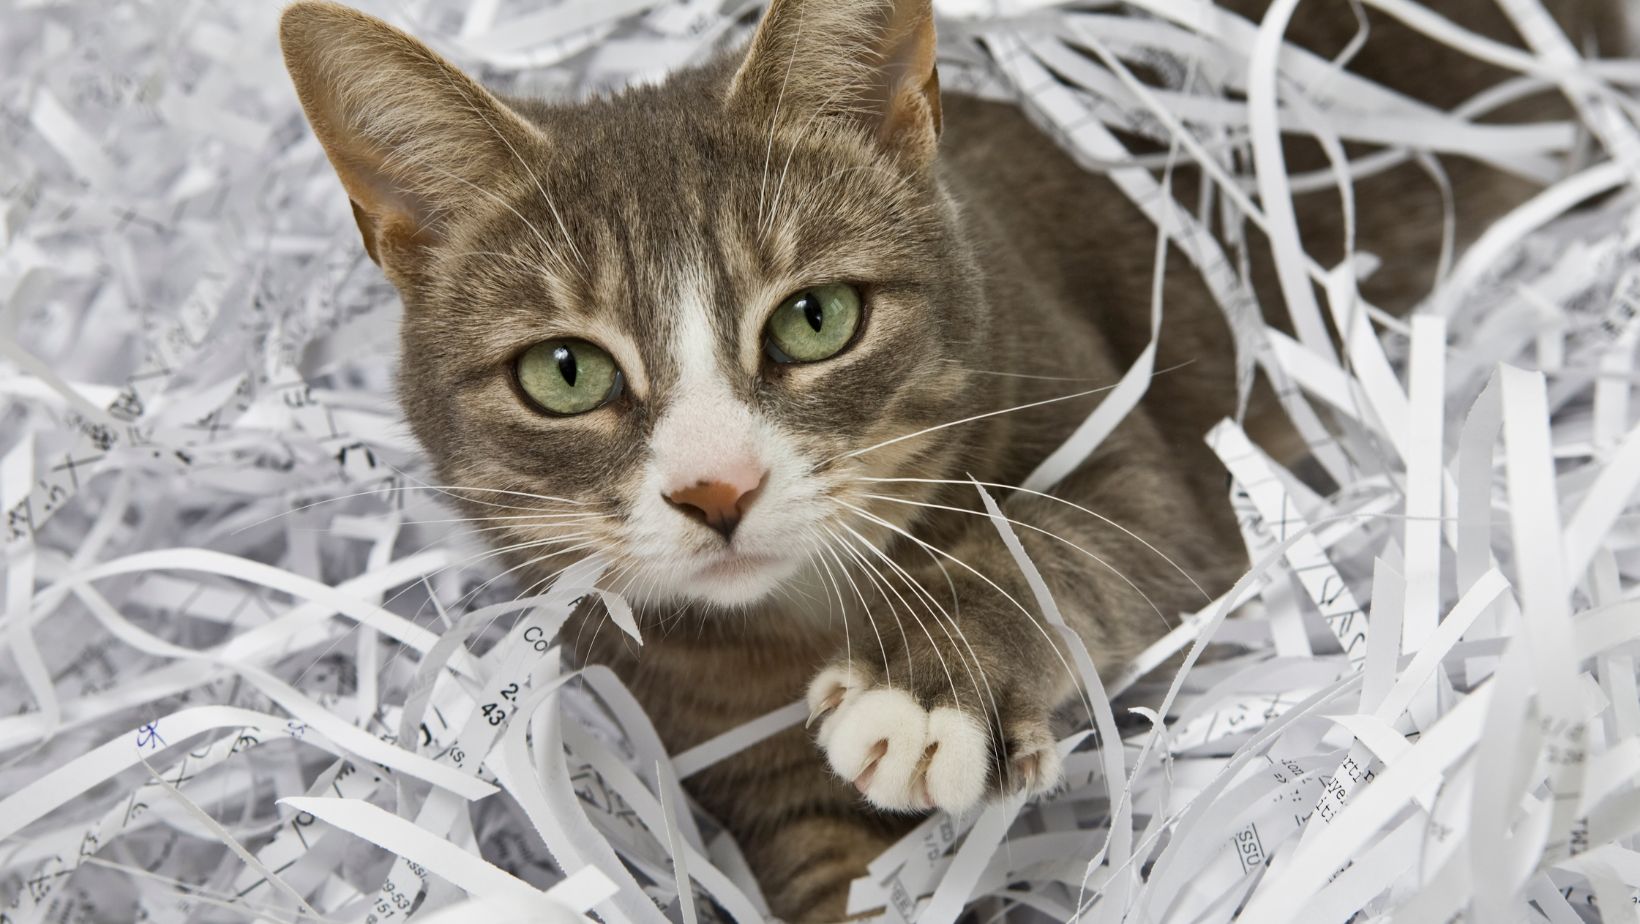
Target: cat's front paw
(912, 752)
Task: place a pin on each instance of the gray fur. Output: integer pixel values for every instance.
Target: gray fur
(996, 275)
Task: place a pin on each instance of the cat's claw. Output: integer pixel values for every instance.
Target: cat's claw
(1034, 765)
(905, 757)
(900, 756)
(818, 709)
(863, 781)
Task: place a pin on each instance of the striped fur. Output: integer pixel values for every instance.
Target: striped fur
(665, 224)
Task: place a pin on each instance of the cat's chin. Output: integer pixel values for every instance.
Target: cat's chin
(736, 580)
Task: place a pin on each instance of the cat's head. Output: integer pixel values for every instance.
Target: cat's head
(681, 327)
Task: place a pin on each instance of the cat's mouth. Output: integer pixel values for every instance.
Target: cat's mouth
(738, 578)
(739, 564)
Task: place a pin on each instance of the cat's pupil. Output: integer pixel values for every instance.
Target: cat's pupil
(813, 312)
(566, 364)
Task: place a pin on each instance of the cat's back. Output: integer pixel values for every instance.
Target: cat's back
(1015, 183)
(1042, 224)
(1073, 229)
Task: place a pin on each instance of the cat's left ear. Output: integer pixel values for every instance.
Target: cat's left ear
(866, 62)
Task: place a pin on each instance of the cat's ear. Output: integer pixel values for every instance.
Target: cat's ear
(411, 137)
(870, 61)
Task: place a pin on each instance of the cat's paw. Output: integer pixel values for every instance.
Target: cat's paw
(912, 753)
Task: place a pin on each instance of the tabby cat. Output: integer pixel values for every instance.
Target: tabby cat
(752, 335)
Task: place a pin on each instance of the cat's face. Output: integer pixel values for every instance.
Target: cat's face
(688, 265)
(681, 329)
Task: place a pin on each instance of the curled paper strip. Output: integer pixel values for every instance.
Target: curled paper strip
(251, 668)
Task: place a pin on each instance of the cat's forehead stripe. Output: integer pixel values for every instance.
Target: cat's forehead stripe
(695, 346)
(706, 431)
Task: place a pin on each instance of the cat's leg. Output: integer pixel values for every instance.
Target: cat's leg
(947, 700)
(809, 862)
(805, 837)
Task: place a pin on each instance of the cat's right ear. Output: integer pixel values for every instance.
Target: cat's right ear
(868, 64)
(410, 136)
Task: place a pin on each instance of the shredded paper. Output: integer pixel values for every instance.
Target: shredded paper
(252, 670)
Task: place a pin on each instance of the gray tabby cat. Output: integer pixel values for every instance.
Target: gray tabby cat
(750, 334)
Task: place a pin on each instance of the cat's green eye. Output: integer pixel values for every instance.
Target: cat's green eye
(814, 324)
(568, 376)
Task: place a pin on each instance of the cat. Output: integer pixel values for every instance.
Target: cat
(757, 334)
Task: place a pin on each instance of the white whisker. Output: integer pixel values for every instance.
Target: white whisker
(865, 608)
(1006, 410)
(1059, 500)
(1037, 529)
(951, 681)
(1030, 617)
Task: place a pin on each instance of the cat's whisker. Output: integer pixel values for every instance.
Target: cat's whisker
(790, 594)
(1059, 500)
(531, 589)
(813, 541)
(628, 575)
(865, 607)
(878, 581)
(1076, 681)
(653, 583)
(452, 491)
(557, 520)
(489, 553)
(632, 574)
(498, 551)
(811, 567)
(542, 582)
(504, 517)
(581, 626)
(798, 584)
(806, 541)
(671, 621)
(1036, 529)
(946, 622)
(448, 489)
(465, 599)
(532, 562)
(475, 558)
(471, 559)
(842, 605)
(999, 746)
(609, 577)
(651, 592)
(1012, 375)
(380, 491)
(981, 684)
(1007, 410)
(970, 419)
(915, 587)
(551, 520)
(599, 623)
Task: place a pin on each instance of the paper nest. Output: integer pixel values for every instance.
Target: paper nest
(249, 674)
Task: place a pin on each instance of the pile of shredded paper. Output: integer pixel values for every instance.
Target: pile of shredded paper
(250, 669)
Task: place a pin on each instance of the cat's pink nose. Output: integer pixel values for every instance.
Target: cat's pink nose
(718, 504)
